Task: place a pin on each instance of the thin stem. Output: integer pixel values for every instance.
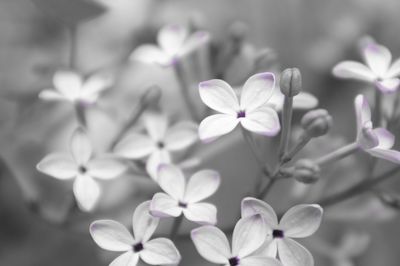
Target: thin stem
(378, 108)
(175, 227)
(252, 145)
(338, 154)
(80, 114)
(304, 139)
(359, 188)
(267, 188)
(286, 125)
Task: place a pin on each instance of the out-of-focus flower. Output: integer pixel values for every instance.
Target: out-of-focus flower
(298, 222)
(248, 236)
(352, 245)
(181, 198)
(159, 143)
(375, 141)
(113, 236)
(72, 87)
(83, 167)
(378, 70)
(174, 43)
(302, 101)
(252, 112)
(316, 123)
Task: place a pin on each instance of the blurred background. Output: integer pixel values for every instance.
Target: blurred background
(312, 35)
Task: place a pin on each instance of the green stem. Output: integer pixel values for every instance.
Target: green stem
(267, 188)
(286, 125)
(80, 114)
(377, 115)
(175, 227)
(338, 154)
(304, 139)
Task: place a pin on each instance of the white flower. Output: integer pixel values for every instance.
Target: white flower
(378, 70)
(252, 112)
(248, 235)
(375, 141)
(298, 222)
(185, 198)
(302, 101)
(70, 86)
(83, 167)
(159, 143)
(113, 236)
(174, 42)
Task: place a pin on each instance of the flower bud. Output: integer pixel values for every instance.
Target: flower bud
(316, 123)
(306, 171)
(291, 82)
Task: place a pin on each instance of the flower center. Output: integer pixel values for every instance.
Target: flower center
(160, 145)
(182, 204)
(82, 169)
(241, 114)
(234, 261)
(277, 233)
(137, 247)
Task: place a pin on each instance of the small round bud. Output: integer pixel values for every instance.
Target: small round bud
(306, 171)
(151, 96)
(291, 82)
(238, 31)
(316, 123)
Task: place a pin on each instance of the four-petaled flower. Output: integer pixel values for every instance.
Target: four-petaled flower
(185, 198)
(375, 141)
(174, 42)
(159, 143)
(83, 167)
(113, 236)
(378, 69)
(72, 87)
(252, 112)
(249, 235)
(298, 222)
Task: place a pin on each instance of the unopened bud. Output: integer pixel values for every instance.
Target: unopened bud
(291, 82)
(390, 199)
(306, 171)
(151, 96)
(316, 123)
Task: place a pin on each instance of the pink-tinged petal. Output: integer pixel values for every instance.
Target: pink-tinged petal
(135, 146)
(252, 206)
(201, 213)
(215, 126)
(353, 70)
(181, 136)
(160, 251)
(276, 100)
(219, 95)
(68, 83)
(389, 155)
(257, 90)
(202, 185)
(171, 38)
(195, 41)
(301, 220)
(57, 165)
(87, 192)
(388, 85)
(385, 138)
(363, 112)
(292, 253)
(263, 120)
(156, 125)
(259, 261)
(150, 54)
(111, 235)
(172, 181)
(106, 167)
(249, 234)
(94, 86)
(305, 101)
(52, 95)
(163, 205)
(81, 147)
(157, 158)
(127, 259)
(212, 244)
(394, 69)
(378, 58)
(143, 223)
(269, 249)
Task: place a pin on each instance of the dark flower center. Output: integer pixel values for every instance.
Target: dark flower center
(277, 234)
(138, 247)
(241, 114)
(82, 169)
(182, 204)
(234, 261)
(160, 145)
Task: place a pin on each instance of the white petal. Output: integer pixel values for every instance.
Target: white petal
(269, 248)
(259, 261)
(143, 223)
(219, 95)
(86, 191)
(390, 155)
(385, 138)
(160, 251)
(81, 147)
(388, 85)
(95, 84)
(292, 253)
(201, 213)
(171, 38)
(363, 112)
(57, 165)
(163, 205)
(157, 158)
(68, 83)
(127, 259)
(305, 101)
(214, 126)
(263, 120)
(394, 69)
(156, 125)
(353, 70)
(106, 167)
(150, 54)
(378, 58)
(301, 220)
(249, 234)
(195, 41)
(172, 181)
(181, 136)
(202, 185)
(135, 146)
(211, 243)
(252, 206)
(111, 235)
(257, 90)
(52, 95)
